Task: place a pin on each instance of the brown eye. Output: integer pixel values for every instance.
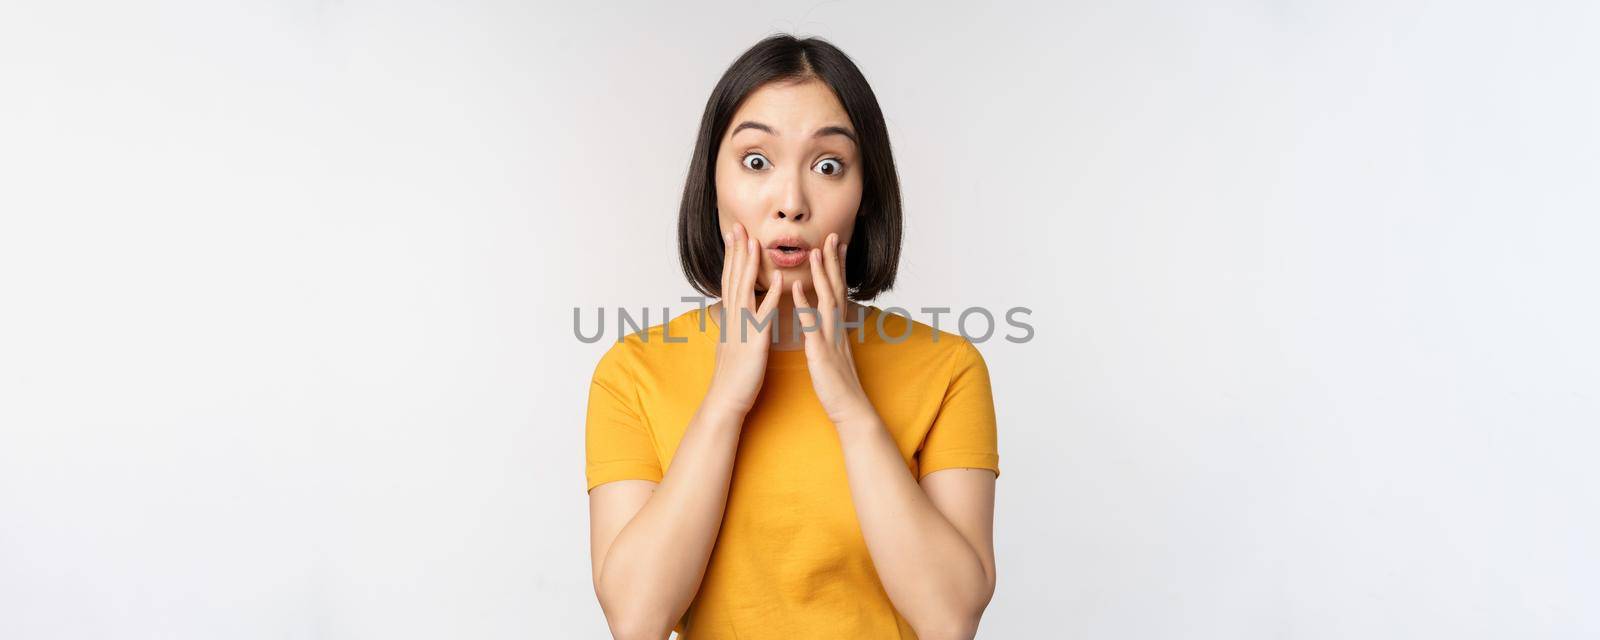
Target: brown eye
(829, 167)
(755, 161)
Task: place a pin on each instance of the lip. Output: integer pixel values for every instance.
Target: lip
(789, 260)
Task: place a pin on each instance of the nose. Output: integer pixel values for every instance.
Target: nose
(792, 200)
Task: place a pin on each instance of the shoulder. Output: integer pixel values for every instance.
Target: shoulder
(655, 343)
(895, 333)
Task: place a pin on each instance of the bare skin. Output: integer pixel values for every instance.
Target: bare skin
(789, 176)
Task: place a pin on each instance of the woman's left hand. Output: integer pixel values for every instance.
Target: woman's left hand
(828, 356)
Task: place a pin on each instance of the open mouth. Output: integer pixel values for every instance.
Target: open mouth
(788, 252)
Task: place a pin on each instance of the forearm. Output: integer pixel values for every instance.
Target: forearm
(653, 568)
(931, 573)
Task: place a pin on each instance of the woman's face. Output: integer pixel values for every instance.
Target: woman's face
(788, 170)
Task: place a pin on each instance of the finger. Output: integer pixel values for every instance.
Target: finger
(736, 268)
(808, 321)
(739, 300)
(727, 252)
(844, 263)
(820, 284)
(835, 268)
(752, 269)
(774, 292)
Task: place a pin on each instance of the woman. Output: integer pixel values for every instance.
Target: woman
(789, 463)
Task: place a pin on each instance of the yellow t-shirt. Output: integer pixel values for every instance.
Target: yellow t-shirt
(790, 561)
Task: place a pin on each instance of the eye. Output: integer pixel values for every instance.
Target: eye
(829, 167)
(755, 161)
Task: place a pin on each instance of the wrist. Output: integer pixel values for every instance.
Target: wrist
(720, 405)
(858, 417)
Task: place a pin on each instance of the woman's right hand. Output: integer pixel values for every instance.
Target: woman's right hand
(741, 362)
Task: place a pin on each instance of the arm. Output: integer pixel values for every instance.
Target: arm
(931, 544)
(649, 543)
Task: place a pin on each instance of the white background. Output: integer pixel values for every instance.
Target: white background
(286, 347)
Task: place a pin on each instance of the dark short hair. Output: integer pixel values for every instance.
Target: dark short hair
(875, 242)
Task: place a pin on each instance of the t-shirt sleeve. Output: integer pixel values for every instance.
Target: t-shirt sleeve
(617, 442)
(964, 433)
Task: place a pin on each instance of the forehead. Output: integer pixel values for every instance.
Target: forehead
(793, 108)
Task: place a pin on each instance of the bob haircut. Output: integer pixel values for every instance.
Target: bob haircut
(870, 269)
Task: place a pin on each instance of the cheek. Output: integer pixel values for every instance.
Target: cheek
(738, 196)
(729, 212)
(734, 203)
(838, 214)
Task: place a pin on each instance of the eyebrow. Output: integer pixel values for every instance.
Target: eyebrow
(831, 130)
